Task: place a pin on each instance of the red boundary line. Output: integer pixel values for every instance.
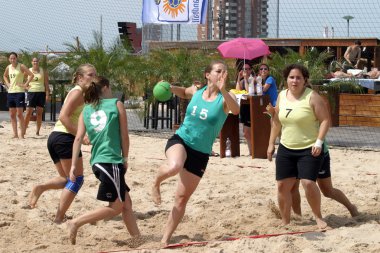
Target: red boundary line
(195, 243)
(186, 244)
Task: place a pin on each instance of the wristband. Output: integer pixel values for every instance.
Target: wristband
(125, 158)
(318, 143)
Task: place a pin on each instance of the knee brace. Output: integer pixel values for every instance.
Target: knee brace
(74, 186)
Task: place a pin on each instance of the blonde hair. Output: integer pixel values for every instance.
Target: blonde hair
(80, 71)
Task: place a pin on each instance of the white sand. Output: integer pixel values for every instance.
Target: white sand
(231, 200)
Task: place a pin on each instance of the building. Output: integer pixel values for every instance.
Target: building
(235, 18)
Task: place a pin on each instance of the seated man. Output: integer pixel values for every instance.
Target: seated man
(353, 54)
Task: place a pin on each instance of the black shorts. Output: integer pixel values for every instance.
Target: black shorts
(35, 99)
(16, 99)
(112, 181)
(297, 163)
(325, 171)
(60, 146)
(196, 162)
(245, 115)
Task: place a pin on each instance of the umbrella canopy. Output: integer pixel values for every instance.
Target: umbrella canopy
(243, 48)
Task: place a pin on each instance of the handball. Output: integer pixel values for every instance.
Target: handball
(161, 91)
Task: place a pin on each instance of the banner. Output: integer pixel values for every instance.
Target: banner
(174, 11)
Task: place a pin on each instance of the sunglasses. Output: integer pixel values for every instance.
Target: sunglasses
(263, 68)
(246, 68)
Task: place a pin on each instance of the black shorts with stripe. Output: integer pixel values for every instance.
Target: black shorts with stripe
(112, 182)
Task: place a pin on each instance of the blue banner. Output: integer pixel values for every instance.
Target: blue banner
(174, 11)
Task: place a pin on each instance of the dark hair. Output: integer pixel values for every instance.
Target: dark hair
(211, 65)
(358, 42)
(93, 93)
(263, 64)
(13, 54)
(290, 67)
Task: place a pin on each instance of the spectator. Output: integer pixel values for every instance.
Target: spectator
(353, 55)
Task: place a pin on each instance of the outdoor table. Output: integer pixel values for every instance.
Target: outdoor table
(260, 128)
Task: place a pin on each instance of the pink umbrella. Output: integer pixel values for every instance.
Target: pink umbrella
(243, 48)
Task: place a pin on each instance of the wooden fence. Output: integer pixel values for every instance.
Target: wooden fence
(359, 110)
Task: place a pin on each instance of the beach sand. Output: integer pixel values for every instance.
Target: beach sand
(232, 200)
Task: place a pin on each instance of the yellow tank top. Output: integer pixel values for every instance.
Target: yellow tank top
(299, 125)
(38, 82)
(59, 127)
(16, 77)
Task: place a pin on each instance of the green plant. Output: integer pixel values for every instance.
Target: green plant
(315, 62)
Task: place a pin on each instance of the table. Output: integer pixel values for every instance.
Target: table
(260, 128)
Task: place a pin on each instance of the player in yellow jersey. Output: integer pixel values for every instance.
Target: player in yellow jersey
(302, 118)
(60, 145)
(38, 94)
(14, 80)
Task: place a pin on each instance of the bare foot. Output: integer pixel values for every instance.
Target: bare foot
(60, 220)
(322, 225)
(15, 137)
(354, 211)
(38, 133)
(156, 195)
(136, 241)
(34, 196)
(163, 245)
(73, 230)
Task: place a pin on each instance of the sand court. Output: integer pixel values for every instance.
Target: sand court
(233, 200)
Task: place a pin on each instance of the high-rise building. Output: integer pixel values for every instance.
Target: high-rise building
(228, 19)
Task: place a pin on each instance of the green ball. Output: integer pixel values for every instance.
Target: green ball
(161, 91)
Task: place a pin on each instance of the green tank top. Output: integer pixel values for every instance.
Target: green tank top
(203, 122)
(16, 77)
(38, 82)
(103, 129)
(59, 127)
(300, 127)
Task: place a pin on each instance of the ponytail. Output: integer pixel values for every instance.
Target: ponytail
(93, 93)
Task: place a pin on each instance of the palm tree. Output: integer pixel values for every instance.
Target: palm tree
(315, 61)
(111, 62)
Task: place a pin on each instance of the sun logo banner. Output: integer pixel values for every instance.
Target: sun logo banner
(174, 11)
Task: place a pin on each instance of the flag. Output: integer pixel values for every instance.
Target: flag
(174, 11)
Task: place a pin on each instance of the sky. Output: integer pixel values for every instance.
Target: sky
(33, 25)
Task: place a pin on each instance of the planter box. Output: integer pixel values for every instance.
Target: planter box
(359, 110)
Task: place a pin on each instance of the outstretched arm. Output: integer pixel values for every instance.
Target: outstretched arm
(182, 92)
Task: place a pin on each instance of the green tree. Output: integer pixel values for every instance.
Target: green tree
(315, 62)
